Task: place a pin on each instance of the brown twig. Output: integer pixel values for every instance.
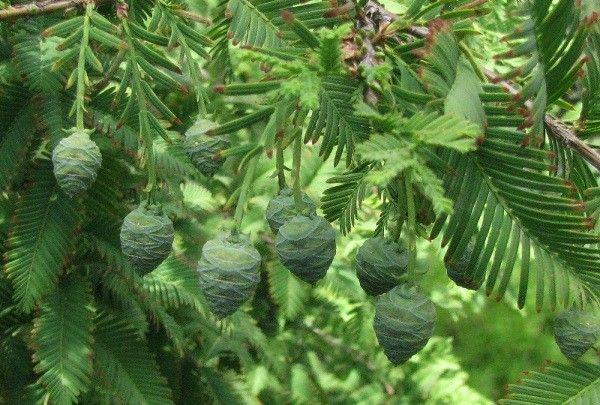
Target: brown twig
(373, 23)
(557, 129)
(48, 6)
(568, 138)
(21, 10)
(188, 15)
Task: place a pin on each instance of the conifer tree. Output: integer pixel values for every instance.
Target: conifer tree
(124, 123)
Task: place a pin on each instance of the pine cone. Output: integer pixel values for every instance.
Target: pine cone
(575, 332)
(76, 161)
(203, 150)
(379, 265)
(457, 270)
(229, 271)
(281, 208)
(404, 322)
(146, 238)
(306, 246)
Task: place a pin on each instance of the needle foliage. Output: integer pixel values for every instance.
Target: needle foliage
(404, 121)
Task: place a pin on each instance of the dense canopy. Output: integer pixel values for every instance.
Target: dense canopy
(299, 201)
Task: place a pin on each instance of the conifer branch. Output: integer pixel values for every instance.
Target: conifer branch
(48, 6)
(34, 8)
(557, 129)
(567, 137)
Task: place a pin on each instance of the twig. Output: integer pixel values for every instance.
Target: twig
(378, 14)
(20, 10)
(569, 139)
(417, 31)
(373, 23)
(48, 6)
(188, 15)
(556, 128)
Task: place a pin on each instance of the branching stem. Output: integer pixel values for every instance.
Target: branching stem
(145, 131)
(279, 162)
(401, 206)
(557, 129)
(469, 55)
(188, 15)
(244, 192)
(297, 159)
(411, 222)
(21, 10)
(188, 60)
(81, 79)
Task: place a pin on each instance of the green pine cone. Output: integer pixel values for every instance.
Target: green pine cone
(457, 270)
(203, 150)
(229, 271)
(575, 332)
(76, 161)
(146, 238)
(379, 265)
(281, 208)
(306, 246)
(404, 322)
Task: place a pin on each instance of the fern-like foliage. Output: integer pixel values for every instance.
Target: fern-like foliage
(62, 337)
(553, 61)
(224, 388)
(287, 291)
(41, 239)
(556, 383)
(33, 57)
(15, 145)
(505, 200)
(394, 110)
(124, 365)
(515, 213)
(254, 25)
(341, 202)
(589, 121)
(335, 120)
(175, 283)
(260, 24)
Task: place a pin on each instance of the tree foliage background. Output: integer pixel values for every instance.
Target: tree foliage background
(417, 123)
